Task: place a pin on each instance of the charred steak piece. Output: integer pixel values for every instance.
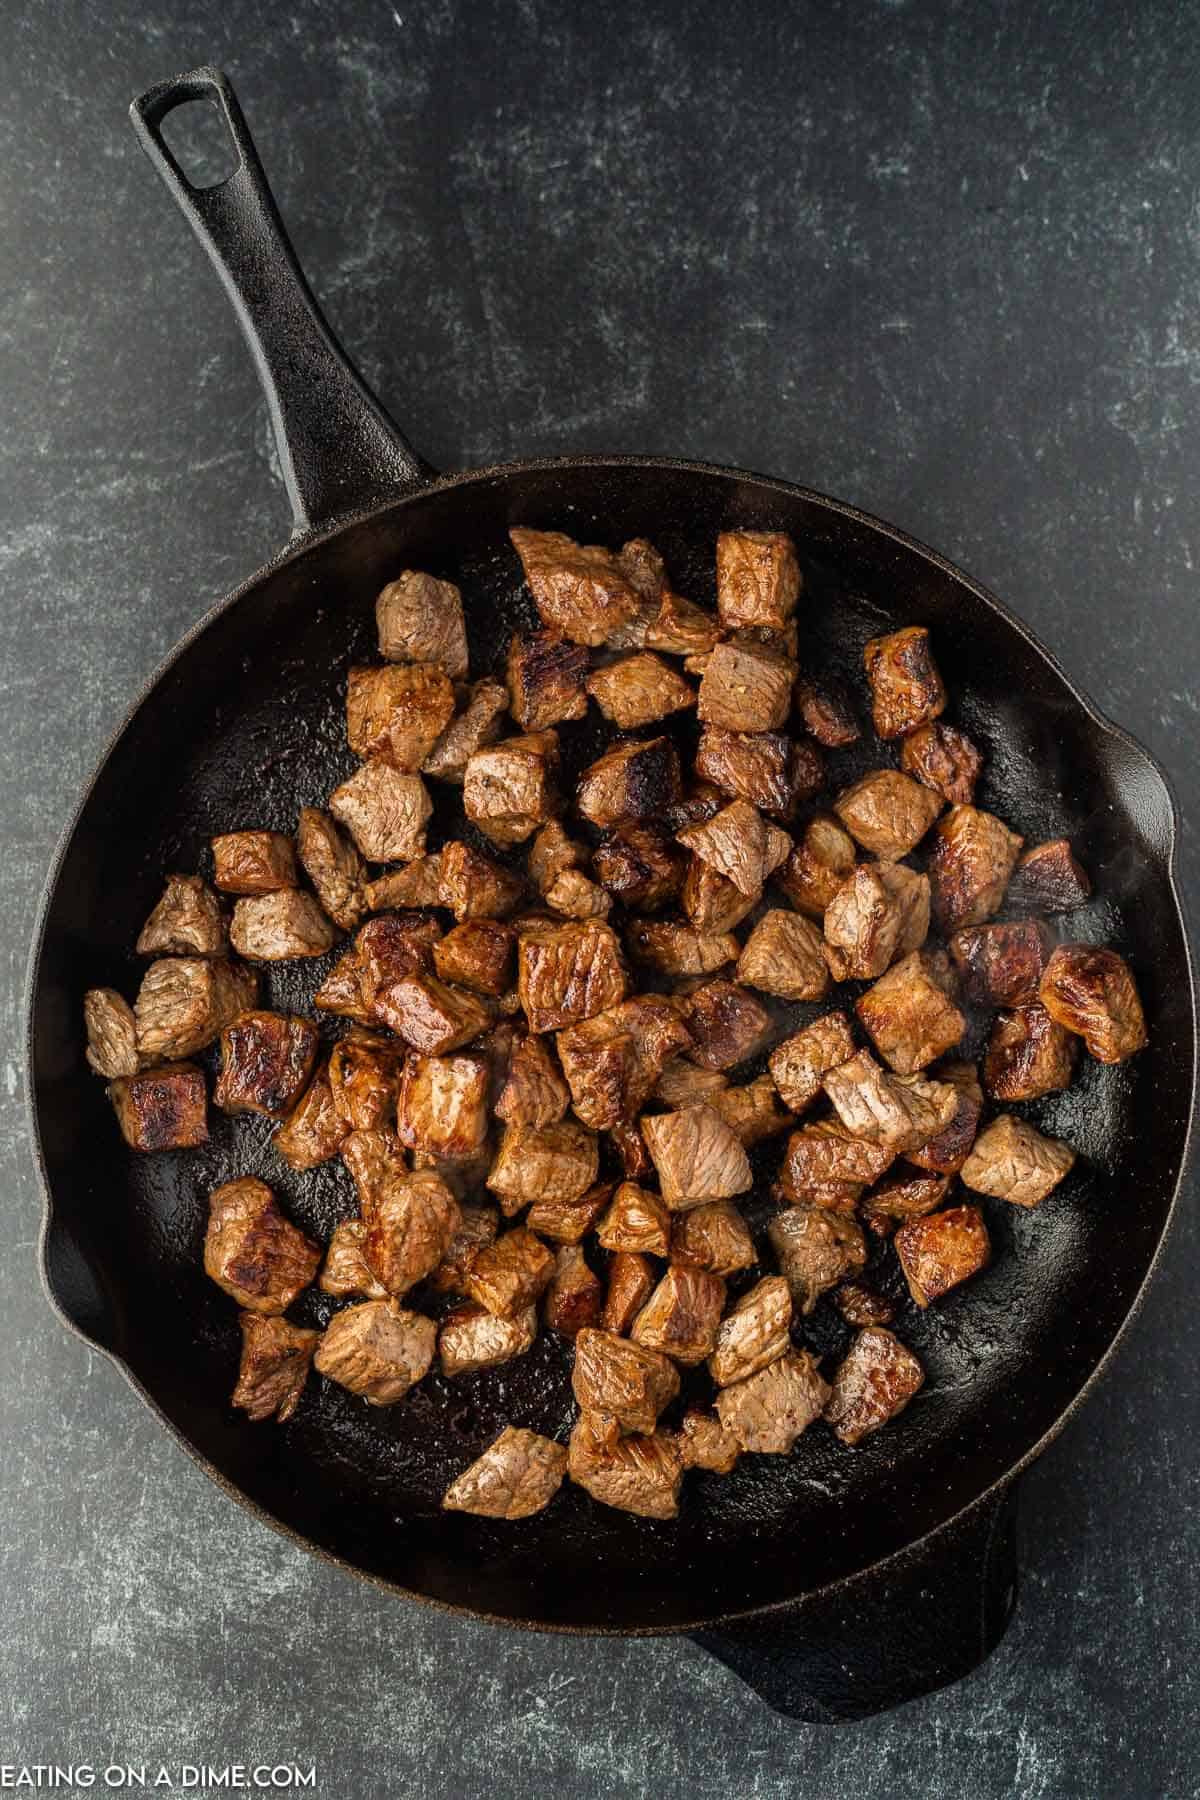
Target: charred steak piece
(746, 686)
(941, 1250)
(396, 713)
(1028, 1055)
(568, 1221)
(944, 759)
(163, 1108)
(472, 1338)
(714, 1237)
(947, 1150)
(697, 1157)
(738, 843)
(420, 620)
(574, 1299)
(784, 955)
(875, 1382)
(430, 1016)
(725, 1025)
(266, 1060)
(344, 1272)
(185, 1002)
(908, 1193)
(546, 675)
(186, 922)
(477, 954)
(511, 1274)
(630, 1285)
(253, 862)
(568, 973)
(639, 690)
(377, 1349)
(1048, 878)
(906, 688)
(274, 1367)
(612, 1060)
(556, 1162)
(910, 1014)
(711, 901)
(755, 1332)
(333, 865)
(861, 1305)
(640, 865)
(1092, 992)
(636, 1220)
(825, 712)
(533, 1091)
(384, 811)
(898, 1112)
(752, 1110)
(1001, 965)
(704, 1443)
(682, 1315)
(817, 867)
(278, 927)
(410, 1222)
(799, 1065)
(887, 813)
(111, 1033)
(1013, 1161)
(473, 886)
(758, 579)
(515, 1477)
(766, 768)
(815, 1249)
(625, 1380)
(636, 780)
(637, 1474)
(828, 1165)
(674, 947)
(582, 590)
(972, 857)
(478, 1226)
(474, 726)
(509, 788)
(254, 1253)
(768, 1412)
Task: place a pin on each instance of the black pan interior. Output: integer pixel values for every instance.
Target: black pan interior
(245, 727)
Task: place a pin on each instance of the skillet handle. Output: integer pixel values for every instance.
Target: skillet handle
(339, 451)
(916, 1623)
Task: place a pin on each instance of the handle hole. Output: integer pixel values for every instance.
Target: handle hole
(198, 138)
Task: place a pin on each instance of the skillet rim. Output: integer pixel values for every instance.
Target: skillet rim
(307, 539)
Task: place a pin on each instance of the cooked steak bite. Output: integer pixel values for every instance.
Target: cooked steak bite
(430, 1016)
(754, 1332)
(635, 780)
(266, 1060)
(800, 1063)
(509, 788)
(638, 690)
(704, 1443)
(752, 1110)
(1092, 992)
(186, 922)
(377, 1349)
(613, 1060)
(768, 1412)
(1029, 1054)
(758, 579)
(574, 896)
(629, 1145)
(817, 867)
(673, 947)
(908, 1193)
(734, 843)
(713, 1237)
(910, 1013)
(681, 628)
(942, 758)
(1012, 1161)
(253, 862)
(384, 811)
(515, 1477)
(726, 1024)
(551, 854)
(647, 572)
(862, 925)
(826, 1164)
(906, 688)
(640, 865)
(638, 1474)
(254, 1253)
(947, 1151)
(582, 590)
(533, 1092)
(701, 801)
(396, 713)
(784, 956)
(472, 1338)
(682, 1315)
(185, 1002)
(420, 620)
(910, 892)
(474, 726)
(972, 857)
(511, 1274)
(333, 865)
(875, 1382)
(815, 1249)
(1048, 878)
(637, 1220)
(568, 1220)
(111, 1033)
(746, 686)
(861, 1305)
(546, 673)
(898, 1112)
(410, 1221)
(568, 973)
(477, 954)
(375, 1161)
(558, 1162)
(389, 946)
(825, 712)
(475, 887)
(1001, 965)
(631, 1282)
(274, 1367)
(279, 927)
(478, 1226)
(625, 1380)
(711, 901)
(683, 1084)
(887, 813)
(162, 1108)
(941, 1250)
(345, 1273)
(575, 1296)
(697, 1157)
(764, 767)
(442, 1106)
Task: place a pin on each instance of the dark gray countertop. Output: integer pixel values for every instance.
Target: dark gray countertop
(941, 260)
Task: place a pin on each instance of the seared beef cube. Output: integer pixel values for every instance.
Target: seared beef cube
(613, 1060)
(463, 1175)
(861, 1305)
(942, 758)
(704, 1443)
(420, 620)
(1047, 878)
(630, 1146)
(581, 590)
(941, 1250)
(753, 1333)
(908, 1194)
(746, 686)
(697, 1157)
(875, 1382)
(898, 1112)
(711, 901)
(475, 887)
(815, 1249)
(862, 925)
(375, 1161)
(1092, 992)
(162, 1109)
(390, 946)
(377, 1350)
(552, 854)
(635, 780)
(752, 1110)
(909, 892)
(638, 1474)
(817, 867)
(910, 1014)
(682, 1315)
(569, 1219)
(1001, 965)
(630, 1285)
(472, 1338)
(637, 1220)
(783, 956)
(410, 1222)
(1012, 1161)
(828, 1165)
(768, 1412)
(825, 712)
(279, 927)
(625, 1380)
(734, 843)
(801, 1062)
(187, 920)
(430, 1016)
(471, 729)
(185, 1002)
(763, 767)
(274, 1367)
(1029, 1054)
(442, 1107)
(384, 811)
(511, 1274)
(515, 1477)
(575, 1296)
(254, 1253)
(266, 1060)
(333, 865)
(253, 862)
(568, 973)
(559, 1162)
(906, 688)
(675, 948)
(478, 1227)
(683, 1084)
(758, 579)
(111, 1033)
(647, 573)
(701, 801)
(681, 628)
(727, 1024)
(640, 865)
(972, 857)
(344, 1271)
(476, 954)
(534, 1092)
(396, 714)
(638, 690)
(713, 1237)
(574, 896)
(546, 674)
(948, 1150)
(509, 788)
(887, 813)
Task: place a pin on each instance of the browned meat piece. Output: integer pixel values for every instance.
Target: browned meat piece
(388, 947)
(478, 1227)
(683, 1084)
(477, 954)
(266, 1060)
(906, 688)
(815, 1249)
(875, 1382)
(274, 1367)
(476, 725)
(682, 1315)
(551, 854)
(861, 1305)
(252, 1251)
(638, 690)
(972, 857)
(910, 1013)
(711, 901)
(384, 811)
(763, 767)
(641, 866)
(163, 1108)
(442, 1108)
(623, 1379)
(396, 713)
(862, 925)
(333, 865)
(752, 1110)
(682, 629)
(575, 1297)
(111, 1033)
(636, 1221)
(344, 1271)
(613, 1060)
(713, 1237)
(827, 1165)
(534, 1092)
(701, 801)
(727, 1024)
(1092, 992)
(546, 674)
(568, 973)
(942, 758)
(949, 1149)
(941, 1250)
(410, 1221)
(675, 948)
(377, 1350)
(430, 1016)
(1029, 1054)
(768, 1412)
(420, 620)
(581, 590)
(568, 1220)
(746, 686)
(758, 579)
(185, 1002)
(511, 1274)
(887, 813)
(253, 862)
(1014, 1162)
(558, 1162)
(375, 1160)
(630, 1284)
(907, 1194)
(472, 1338)
(635, 780)
(574, 895)
(697, 1157)
(509, 788)
(825, 712)
(898, 1112)
(911, 893)
(801, 1062)
(630, 1146)
(1001, 965)
(637, 1474)
(647, 572)
(515, 1477)
(475, 887)
(734, 843)
(704, 1443)
(784, 956)
(279, 927)
(187, 920)
(1047, 878)
(753, 1333)
(817, 867)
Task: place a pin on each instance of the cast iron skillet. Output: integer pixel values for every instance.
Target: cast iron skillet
(837, 1582)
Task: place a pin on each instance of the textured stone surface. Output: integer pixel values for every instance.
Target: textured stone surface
(939, 259)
